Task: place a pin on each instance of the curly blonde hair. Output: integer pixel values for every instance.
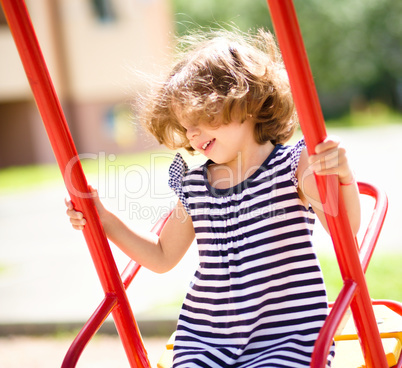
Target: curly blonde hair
(219, 74)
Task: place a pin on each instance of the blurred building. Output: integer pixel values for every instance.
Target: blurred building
(99, 53)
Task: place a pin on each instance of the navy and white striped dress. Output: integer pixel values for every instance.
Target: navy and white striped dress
(257, 298)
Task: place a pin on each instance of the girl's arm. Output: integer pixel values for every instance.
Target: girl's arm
(330, 158)
(159, 254)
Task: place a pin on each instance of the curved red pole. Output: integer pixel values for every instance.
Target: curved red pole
(312, 123)
(104, 309)
(377, 220)
(328, 330)
(132, 268)
(89, 330)
(74, 178)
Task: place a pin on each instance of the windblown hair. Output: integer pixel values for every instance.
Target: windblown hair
(219, 76)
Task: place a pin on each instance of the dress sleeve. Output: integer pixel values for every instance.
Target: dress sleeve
(177, 170)
(294, 159)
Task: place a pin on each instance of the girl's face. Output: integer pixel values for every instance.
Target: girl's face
(222, 143)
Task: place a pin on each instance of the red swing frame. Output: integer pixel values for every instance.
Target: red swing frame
(353, 261)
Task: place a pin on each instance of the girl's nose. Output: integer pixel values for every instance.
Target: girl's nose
(192, 132)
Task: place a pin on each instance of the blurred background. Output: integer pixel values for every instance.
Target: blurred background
(103, 53)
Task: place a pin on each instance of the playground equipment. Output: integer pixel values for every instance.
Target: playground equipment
(353, 259)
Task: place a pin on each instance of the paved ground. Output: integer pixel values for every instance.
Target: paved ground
(49, 352)
(46, 274)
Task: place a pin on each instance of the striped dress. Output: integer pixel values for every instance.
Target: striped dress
(257, 299)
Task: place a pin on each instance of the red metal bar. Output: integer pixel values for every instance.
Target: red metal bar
(391, 304)
(129, 273)
(104, 309)
(397, 308)
(68, 161)
(399, 364)
(312, 123)
(132, 268)
(375, 225)
(344, 298)
(327, 333)
(89, 330)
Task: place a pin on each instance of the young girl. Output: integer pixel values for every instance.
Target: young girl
(257, 298)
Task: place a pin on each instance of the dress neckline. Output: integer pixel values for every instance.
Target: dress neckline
(238, 188)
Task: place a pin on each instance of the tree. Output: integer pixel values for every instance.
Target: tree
(354, 46)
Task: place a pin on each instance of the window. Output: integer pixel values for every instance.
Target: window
(3, 21)
(104, 10)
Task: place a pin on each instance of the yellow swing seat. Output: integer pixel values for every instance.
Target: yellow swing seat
(347, 347)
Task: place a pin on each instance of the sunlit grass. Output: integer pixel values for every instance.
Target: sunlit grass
(13, 179)
(375, 114)
(383, 276)
(22, 177)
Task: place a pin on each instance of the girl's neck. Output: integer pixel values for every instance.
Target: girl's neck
(247, 162)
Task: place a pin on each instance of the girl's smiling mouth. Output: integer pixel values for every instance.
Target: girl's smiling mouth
(207, 145)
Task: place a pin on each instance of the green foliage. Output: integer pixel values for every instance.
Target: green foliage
(211, 13)
(354, 44)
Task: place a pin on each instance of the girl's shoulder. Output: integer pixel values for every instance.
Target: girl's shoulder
(289, 156)
(294, 149)
(288, 153)
(179, 169)
(295, 152)
(181, 177)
